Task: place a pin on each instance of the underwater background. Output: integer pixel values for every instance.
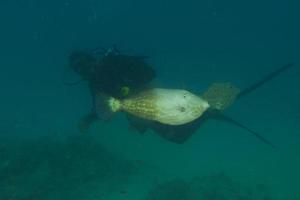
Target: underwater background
(191, 44)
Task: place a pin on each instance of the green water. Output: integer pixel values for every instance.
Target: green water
(190, 44)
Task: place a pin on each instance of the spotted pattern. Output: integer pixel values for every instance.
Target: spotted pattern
(142, 105)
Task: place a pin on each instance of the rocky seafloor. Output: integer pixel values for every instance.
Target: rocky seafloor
(79, 168)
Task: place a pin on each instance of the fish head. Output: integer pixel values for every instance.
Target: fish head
(190, 105)
(182, 107)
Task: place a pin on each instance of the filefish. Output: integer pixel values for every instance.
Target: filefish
(167, 106)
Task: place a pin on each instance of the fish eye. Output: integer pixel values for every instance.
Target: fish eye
(182, 109)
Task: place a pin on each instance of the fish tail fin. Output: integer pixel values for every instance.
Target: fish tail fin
(221, 95)
(106, 106)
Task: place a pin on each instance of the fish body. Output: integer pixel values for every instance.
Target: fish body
(167, 106)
